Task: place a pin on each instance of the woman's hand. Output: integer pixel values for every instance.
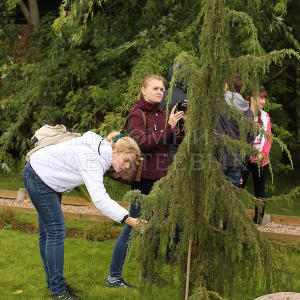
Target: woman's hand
(138, 224)
(131, 221)
(175, 117)
(256, 159)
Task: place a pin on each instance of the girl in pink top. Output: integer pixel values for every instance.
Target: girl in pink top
(263, 144)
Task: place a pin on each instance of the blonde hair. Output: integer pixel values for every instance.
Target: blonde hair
(147, 79)
(124, 145)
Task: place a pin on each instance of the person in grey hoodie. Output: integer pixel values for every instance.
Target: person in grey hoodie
(232, 165)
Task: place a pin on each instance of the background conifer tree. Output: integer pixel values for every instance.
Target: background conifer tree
(89, 71)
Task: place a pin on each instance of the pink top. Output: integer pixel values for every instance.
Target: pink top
(263, 143)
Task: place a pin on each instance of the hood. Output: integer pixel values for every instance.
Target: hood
(144, 105)
(236, 100)
(97, 146)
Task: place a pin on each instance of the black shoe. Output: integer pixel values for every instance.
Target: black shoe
(66, 295)
(71, 290)
(118, 283)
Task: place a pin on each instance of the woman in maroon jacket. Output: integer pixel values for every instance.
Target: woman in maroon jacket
(152, 138)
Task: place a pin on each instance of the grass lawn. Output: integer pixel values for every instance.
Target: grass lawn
(86, 268)
(282, 184)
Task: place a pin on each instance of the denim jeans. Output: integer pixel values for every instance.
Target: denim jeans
(52, 230)
(233, 174)
(121, 245)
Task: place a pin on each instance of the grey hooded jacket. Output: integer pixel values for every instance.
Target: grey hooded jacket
(229, 126)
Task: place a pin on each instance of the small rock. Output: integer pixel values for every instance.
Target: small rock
(280, 296)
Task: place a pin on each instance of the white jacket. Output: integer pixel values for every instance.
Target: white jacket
(263, 142)
(82, 160)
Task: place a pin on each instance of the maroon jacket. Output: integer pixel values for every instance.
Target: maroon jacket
(153, 139)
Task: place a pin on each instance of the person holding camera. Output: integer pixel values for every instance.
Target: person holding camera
(147, 126)
(179, 101)
(57, 168)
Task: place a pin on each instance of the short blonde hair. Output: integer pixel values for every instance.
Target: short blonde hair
(148, 78)
(124, 145)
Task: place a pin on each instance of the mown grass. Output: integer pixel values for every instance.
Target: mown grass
(282, 184)
(86, 269)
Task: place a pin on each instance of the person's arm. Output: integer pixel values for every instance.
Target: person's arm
(131, 221)
(92, 175)
(147, 140)
(265, 143)
(267, 140)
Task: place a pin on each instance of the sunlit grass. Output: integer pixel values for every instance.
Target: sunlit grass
(86, 269)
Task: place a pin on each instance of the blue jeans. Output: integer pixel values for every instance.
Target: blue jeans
(233, 174)
(121, 245)
(52, 229)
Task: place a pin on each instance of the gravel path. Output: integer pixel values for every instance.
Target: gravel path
(280, 228)
(91, 210)
(79, 209)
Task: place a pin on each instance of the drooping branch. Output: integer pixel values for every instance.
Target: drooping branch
(276, 75)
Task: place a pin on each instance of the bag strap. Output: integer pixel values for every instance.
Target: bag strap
(126, 121)
(99, 147)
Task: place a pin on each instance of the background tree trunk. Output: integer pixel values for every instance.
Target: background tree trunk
(31, 13)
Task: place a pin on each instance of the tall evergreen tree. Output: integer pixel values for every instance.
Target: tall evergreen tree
(195, 196)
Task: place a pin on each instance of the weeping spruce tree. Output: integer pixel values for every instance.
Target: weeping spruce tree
(194, 195)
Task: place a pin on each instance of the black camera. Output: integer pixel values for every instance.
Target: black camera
(181, 106)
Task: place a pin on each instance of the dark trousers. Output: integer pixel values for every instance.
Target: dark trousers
(259, 182)
(121, 245)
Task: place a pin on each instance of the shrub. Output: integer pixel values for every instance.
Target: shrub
(7, 217)
(101, 232)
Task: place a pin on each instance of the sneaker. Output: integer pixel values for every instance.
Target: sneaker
(66, 295)
(71, 290)
(118, 283)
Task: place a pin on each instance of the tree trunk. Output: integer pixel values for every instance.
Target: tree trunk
(34, 14)
(31, 13)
